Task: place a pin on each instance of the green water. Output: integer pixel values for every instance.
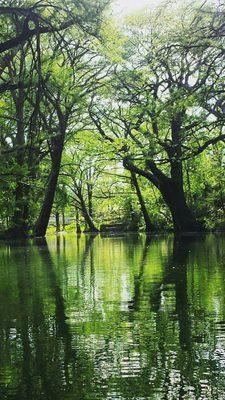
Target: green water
(124, 317)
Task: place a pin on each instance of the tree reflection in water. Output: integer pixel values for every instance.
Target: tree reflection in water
(122, 317)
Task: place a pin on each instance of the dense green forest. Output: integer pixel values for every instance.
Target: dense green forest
(110, 123)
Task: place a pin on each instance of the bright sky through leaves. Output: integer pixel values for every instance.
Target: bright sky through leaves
(125, 7)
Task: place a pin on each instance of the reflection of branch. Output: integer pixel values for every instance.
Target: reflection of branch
(60, 312)
(89, 241)
(134, 304)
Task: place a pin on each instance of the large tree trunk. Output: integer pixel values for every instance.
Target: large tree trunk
(183, 219)
(172, 190)
(43, 219)
(148, 224)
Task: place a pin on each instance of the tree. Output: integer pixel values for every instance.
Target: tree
(82, 171)
(156, 110)
(65, 103)
(34, 21)
(120, 119)
(36, 38)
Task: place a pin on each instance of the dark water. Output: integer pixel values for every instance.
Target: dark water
(113, 318)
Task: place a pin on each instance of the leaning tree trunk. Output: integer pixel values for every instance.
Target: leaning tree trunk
(43, 219)
(148, 224)
(86, 215)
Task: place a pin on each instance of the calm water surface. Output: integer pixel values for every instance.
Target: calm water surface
(124, 317)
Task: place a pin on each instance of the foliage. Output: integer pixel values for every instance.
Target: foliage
(85, 103)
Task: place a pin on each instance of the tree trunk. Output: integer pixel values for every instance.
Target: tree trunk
(172, 191)
(148, 224)
(43, 219)
(183, 219)
(86, 215)
(173, 194)
(90, 195)
(57, 222)
(78, 228)
(19, 225)
(63, 221)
